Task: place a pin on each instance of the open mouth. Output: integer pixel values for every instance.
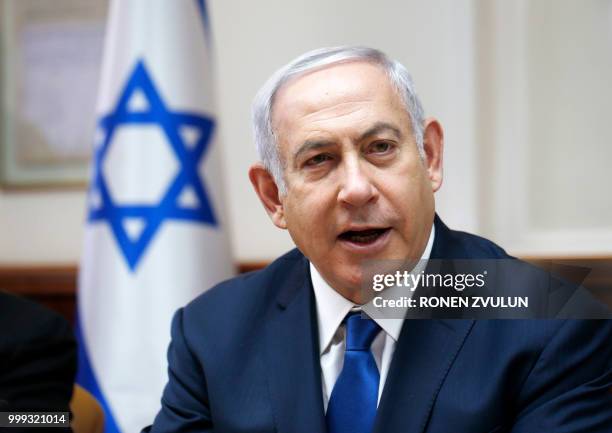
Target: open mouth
(363, 237)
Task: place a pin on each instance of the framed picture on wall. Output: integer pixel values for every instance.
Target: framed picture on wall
(50, 60)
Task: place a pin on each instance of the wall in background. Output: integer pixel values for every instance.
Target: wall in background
(41, 226)
(544, 110)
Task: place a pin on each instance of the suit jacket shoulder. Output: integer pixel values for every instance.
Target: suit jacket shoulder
(241, 302)
(453, 244)
(225, 348)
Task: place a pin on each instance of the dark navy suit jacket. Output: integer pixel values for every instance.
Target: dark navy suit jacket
(244, 357)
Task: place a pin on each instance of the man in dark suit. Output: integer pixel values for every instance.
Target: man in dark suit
(349, 167)
(37, 359)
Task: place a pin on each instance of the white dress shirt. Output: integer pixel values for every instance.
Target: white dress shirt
(332, 308)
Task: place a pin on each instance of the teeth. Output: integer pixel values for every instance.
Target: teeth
(363, 237)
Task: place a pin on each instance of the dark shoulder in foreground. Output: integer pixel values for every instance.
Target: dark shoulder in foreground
(37, 357)
(28, 320)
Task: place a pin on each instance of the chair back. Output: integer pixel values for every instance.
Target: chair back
(87, 413)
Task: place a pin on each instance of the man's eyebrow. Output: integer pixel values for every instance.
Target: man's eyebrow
(376, 129)
(381, 127)
(311, 145)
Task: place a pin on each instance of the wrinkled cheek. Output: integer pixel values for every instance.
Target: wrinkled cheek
(305, 232)
(427, 198)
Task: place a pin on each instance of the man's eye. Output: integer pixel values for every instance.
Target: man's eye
(317, 159)
(380, 147)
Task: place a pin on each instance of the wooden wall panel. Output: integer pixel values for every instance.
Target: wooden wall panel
(55, 286)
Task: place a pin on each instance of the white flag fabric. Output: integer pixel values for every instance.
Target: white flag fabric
(155, 236)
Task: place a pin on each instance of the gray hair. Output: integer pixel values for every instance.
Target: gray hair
(265, 139)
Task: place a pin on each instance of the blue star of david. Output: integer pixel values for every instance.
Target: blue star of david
(189, 157)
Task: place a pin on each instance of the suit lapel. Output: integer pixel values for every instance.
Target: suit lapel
(423, 356)
(292, 351)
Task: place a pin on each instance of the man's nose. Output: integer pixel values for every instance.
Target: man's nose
(356, 188)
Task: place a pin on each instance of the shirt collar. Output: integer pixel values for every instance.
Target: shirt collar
(332, 307)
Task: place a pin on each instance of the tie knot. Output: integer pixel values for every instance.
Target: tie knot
(360, 332)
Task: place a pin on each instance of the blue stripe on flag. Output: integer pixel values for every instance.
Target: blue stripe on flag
(87, 379)
(202, 6)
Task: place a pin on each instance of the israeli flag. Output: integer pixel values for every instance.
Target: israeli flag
(155, 235)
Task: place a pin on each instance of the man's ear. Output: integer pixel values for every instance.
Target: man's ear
(267, 191)
(433, 144)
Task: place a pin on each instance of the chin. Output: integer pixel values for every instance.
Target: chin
(352, 279)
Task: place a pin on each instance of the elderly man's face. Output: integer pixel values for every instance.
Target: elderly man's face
(356, 185)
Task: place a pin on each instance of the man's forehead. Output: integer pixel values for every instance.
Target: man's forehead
(347, 80)
(333, 91)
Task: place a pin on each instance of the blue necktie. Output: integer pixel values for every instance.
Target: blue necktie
(352, 404)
